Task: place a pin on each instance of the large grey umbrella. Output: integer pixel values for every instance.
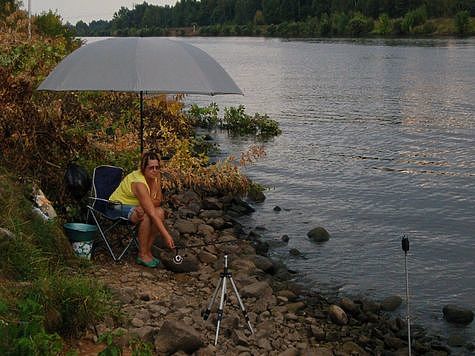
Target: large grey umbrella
(142, 65)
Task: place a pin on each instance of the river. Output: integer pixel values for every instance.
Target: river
(378, 141)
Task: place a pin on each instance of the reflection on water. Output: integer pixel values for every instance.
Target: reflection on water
(378, 141)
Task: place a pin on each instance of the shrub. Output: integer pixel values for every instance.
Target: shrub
(237, 122)
(359, 25)
(383, 25)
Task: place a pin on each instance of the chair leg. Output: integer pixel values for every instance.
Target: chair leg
(103, 232)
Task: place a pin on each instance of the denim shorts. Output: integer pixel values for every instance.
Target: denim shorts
(125, 211)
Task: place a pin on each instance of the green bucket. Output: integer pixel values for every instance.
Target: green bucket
(81, 237)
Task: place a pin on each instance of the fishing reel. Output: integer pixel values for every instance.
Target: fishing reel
(178, 259)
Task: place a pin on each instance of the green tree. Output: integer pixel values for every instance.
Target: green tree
(359, 25)
(462, 22)
(50, 24)
(271, 11)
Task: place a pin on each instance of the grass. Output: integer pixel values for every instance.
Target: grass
(44, 296)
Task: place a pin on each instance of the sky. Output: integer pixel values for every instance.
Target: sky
(86, 10)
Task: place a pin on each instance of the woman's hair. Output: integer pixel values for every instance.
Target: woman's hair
(146, 157)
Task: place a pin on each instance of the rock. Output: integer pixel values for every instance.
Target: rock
(317, 351)
(256, 196)
(186, 213)
(277, 208)
(295, 252)
(294, 307)
(137, 323)
(218, 223)
(393, 342)
(263, 263)
(352, 348)
(391, 303)
(239, 338)
(262, 247)
(211, 214)
(457, 315)
(145, 333)
(206, 257)
(338, 315)
(205, 230)
(318, 234)
(290, 352)
(185, 226)
(256, 290)
(348, 305)
(211, 203)
(285, 238)
(370, 306)
(209, 350)
(240, 207)
(317, 332)
(264, 344)
(175, 336)
(190, 262)
(287, 294)
(456, 340)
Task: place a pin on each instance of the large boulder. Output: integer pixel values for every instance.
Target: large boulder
(190, 262)
(176, 336)
(457, 315)
(318, 234)
(337, 315)
(391, 303)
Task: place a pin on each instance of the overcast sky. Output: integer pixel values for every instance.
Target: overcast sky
(87, 10)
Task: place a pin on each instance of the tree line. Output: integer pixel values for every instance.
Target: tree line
(284, 18)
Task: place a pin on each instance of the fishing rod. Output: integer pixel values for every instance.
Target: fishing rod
(178, 259)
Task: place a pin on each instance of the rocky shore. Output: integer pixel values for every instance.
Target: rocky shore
(164, 306)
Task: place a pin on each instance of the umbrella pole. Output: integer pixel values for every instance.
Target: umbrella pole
(141, 122)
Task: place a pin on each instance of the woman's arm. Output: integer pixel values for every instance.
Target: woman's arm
(156, 192)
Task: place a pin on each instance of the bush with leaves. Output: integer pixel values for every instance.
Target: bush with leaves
(383, 26)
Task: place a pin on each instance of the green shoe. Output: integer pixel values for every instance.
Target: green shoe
(152, 264)
(156, 260)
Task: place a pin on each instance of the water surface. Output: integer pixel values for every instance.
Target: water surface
(378, 141)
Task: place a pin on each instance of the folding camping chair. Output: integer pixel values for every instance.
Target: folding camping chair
(105, 213)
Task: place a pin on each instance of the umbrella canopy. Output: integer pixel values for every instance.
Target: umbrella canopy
(142, 65)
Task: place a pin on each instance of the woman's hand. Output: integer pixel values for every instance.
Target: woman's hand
(169, 242)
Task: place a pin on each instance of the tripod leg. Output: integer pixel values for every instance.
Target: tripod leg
(206, 313)
(243, 309)
(220, 310)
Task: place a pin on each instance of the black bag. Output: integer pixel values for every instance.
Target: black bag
(77, 180)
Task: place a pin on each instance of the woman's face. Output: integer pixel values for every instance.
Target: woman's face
(152, 169)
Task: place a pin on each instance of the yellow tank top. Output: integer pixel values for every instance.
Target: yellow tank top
(124, 194)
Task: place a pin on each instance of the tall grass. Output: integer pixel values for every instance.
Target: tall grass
(43, 294)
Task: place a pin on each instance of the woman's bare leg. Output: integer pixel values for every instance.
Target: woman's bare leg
(144, 231)
(154, 230)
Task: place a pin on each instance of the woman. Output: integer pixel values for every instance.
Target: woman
(140, 193)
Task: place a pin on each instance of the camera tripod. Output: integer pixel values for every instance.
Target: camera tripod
(225, 276)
